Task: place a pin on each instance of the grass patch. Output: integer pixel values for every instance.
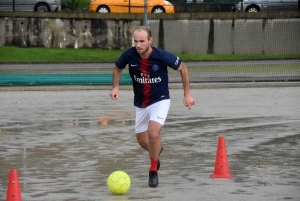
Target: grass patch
(11, 54)
(56, 55)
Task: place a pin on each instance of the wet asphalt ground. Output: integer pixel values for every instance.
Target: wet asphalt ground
(65, 144)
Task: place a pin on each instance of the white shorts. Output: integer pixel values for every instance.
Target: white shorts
(156, 112)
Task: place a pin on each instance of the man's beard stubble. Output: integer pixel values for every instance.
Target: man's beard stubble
(145, 50)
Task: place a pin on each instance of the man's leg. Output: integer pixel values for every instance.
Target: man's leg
(143, 141)
(154, 149)
(154, 139)
(150, 140)
(149, 122)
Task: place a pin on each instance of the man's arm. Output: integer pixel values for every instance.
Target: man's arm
(188, 100)
(117, 73)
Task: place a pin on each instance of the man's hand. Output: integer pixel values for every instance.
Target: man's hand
(114, 94)
(188, 101)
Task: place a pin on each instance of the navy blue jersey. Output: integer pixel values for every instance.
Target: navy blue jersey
(149, 76)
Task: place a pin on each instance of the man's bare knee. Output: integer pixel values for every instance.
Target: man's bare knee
(153, 137)
(154, 131)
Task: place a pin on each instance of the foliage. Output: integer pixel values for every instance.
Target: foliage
(75, 4)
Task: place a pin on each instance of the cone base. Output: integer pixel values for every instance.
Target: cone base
(221, 176)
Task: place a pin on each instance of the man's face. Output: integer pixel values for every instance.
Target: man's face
(141, 41)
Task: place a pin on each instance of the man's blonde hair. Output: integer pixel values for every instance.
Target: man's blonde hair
(147, 29)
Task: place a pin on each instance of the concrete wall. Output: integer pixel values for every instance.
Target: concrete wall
(66, 33)
(209, 35)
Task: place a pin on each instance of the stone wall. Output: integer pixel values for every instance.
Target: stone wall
(206, 33)
(66, 33)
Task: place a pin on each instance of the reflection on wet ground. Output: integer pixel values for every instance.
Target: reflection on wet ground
(65, 144)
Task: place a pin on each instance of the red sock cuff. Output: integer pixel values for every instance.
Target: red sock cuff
(153, 166)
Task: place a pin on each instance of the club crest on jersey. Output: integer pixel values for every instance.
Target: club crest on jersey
(155, 67)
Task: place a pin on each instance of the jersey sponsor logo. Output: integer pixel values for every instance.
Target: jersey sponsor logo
(146, 79)
(155, 67)
(177, 60)
(132, 65)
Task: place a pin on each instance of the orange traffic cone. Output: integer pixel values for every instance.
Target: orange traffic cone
(221, 164)
(13, 189)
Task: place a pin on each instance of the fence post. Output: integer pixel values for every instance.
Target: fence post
(72, 7)
(242, 5)
(14, 8)
(145, 13)
(129, 6)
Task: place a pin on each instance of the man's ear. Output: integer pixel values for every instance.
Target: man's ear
(150, 40)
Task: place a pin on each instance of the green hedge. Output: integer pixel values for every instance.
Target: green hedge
(74, 5)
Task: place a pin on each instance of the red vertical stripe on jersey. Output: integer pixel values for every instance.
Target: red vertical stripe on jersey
(146, 86)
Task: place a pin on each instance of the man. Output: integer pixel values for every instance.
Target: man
(148, 70)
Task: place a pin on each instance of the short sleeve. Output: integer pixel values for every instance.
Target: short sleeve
(172, 60)
(122, 61)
